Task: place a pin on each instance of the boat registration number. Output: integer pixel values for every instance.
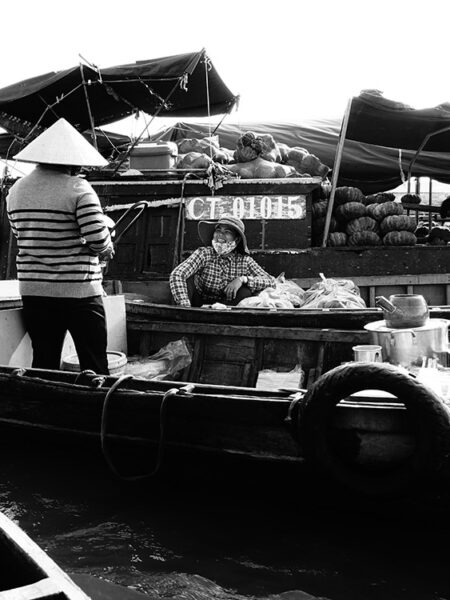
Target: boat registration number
(246, 207)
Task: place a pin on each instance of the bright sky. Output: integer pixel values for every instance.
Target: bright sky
(288, 59)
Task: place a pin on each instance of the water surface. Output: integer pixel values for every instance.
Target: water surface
(191, 541)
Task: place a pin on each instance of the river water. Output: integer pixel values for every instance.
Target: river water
(192, 542)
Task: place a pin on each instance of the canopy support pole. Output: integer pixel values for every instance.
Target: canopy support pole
(420, 148)
(136, 141)
(91, 119)
(430, 201)
(336, 168)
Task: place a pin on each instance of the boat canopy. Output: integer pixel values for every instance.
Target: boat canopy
(374, 119)
(372, 168)
(185, 85)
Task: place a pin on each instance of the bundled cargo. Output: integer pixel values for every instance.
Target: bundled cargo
(268, 298)
(285, 295)
(256, 156)
(333, 293)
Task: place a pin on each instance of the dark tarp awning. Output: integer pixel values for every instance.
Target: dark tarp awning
(108, 143)
(176, 86)
(374, 119)
(368, 167)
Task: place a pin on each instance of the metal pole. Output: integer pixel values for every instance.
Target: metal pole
(91, 119)
(430, 201)
(336, 167)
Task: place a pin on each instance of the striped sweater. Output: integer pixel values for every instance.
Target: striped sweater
(58, 222)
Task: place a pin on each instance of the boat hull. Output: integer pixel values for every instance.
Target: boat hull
(28, 572)
(131, 425)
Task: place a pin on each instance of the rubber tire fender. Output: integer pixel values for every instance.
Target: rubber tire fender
(430, 456)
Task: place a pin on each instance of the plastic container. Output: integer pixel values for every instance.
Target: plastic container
(116, 363)
(154, 155)
(367, 353)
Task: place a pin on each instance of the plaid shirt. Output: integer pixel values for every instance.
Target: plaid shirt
(212, 273)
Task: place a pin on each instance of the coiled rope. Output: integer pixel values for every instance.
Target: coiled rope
(162, 429)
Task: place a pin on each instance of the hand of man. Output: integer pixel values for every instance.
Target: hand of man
(107, 254)
(232, 288)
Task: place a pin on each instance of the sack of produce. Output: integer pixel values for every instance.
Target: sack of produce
(270, 149)
(198, 145)
(268, 298)
(262, 169)
(333, 293)
(291, 290)
(223, 156)
(194, 160)
(306, 163)
(249, 146)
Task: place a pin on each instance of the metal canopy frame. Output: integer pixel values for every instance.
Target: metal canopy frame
(338, 160)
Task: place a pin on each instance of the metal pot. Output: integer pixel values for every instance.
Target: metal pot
(404, 310)
(407, 347)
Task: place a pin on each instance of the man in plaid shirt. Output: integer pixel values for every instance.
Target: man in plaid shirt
(220, 271)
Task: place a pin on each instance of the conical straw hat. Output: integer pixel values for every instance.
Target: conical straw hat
(61, 144)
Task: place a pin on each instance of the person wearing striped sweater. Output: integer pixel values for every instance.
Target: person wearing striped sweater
(61, 237)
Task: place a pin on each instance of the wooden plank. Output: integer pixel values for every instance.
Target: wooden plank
(317, 335)
(131, 190)
(44, 589)
(144, 344)
(352, 262)
(53, 577)
(320, 357)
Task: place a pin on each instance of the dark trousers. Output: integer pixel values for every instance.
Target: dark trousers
(48, 319)
(197, 301)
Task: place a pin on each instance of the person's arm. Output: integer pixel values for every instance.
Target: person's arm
(257, 279)
(90, 218)
(181, 274)
(10, 219)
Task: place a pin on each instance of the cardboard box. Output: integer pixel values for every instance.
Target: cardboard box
(154, 155)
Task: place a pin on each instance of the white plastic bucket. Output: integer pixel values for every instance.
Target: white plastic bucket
(116, 362)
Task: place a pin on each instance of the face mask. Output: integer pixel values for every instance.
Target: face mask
(224, 247)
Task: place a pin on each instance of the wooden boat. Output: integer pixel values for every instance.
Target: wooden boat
(236, 344)
(27, 572)
(375, 444)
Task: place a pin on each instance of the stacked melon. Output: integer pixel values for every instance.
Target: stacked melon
(351, 212)
(359, 220)
(433, 234)
(396, 228)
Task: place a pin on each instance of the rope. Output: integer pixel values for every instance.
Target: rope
(143, 204)
(292, 406)
(95, 381)
(158, 110)
(162, 431)
(207, 64)
(400, 166)
(179, 250)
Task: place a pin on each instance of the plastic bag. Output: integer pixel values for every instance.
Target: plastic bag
(294, 293)
(285, 295)
(268, 298)
(170, 359)
(333, 293)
